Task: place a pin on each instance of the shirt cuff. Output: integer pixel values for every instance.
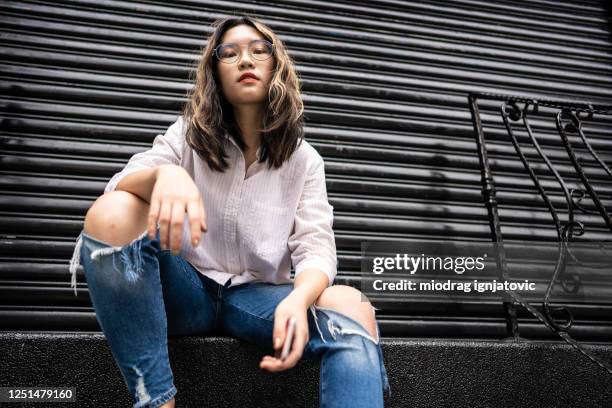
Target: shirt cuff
(317, 263)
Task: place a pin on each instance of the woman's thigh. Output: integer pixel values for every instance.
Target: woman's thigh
(247, 311)
(189, 307)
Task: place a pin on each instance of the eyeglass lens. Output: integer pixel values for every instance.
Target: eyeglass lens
(258, 49)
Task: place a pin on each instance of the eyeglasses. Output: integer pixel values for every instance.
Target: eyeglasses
(228, 53)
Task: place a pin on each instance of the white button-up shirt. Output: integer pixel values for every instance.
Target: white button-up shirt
(260, 221)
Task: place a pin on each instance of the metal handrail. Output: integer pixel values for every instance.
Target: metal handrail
(571, 111)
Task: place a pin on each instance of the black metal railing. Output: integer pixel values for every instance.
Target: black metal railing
(568, 120)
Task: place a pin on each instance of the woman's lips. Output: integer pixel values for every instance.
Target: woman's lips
(249, 80)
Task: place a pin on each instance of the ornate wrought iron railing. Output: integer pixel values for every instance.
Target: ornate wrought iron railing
(568, 120)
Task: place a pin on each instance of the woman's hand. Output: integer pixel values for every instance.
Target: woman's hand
(173, 195)
(292, 305)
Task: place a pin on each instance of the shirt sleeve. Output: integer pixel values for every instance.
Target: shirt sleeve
(312, 243)
(166, 149)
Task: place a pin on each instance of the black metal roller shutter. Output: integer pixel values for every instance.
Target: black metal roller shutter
(86, 84)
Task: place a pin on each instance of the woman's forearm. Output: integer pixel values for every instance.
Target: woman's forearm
(139, 183)
(309, 285)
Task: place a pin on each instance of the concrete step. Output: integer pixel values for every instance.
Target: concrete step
(224, 372)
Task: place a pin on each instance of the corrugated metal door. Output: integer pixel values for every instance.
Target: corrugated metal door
(86, 84)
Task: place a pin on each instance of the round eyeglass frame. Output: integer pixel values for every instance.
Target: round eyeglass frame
(237, 57)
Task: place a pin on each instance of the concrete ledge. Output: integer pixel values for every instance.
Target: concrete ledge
(224, 372)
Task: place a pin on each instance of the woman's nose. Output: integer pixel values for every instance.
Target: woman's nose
(245, 58)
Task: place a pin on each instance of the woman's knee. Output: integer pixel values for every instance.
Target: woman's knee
(117, 217)
(350, 302)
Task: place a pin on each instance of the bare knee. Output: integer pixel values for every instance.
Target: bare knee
(117, 217)
(350, 302)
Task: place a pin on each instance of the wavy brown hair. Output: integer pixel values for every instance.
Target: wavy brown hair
(209, 115)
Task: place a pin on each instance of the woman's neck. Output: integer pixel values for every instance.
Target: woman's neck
(249, 119)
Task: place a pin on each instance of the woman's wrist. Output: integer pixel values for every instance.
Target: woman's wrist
(301, 296)
(309, 285)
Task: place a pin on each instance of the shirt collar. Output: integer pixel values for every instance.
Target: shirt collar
(231, 139)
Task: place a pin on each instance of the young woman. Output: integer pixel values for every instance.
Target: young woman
(229, 198)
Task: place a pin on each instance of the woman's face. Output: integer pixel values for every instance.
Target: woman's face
(246, 91)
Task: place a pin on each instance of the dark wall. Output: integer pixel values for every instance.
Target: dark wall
(87, 84)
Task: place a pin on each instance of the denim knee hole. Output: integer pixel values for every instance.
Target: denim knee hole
(133, 267)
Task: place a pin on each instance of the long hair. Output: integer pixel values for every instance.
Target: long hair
(209, 115)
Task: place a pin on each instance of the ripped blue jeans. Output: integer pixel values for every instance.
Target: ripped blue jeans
(141, 294)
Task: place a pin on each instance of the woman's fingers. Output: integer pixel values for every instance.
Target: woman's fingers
(278, 334)
(171, 216)
(271, 364)
(297, 348)
(203, 215)
(194, 215)
(152, 218)
(176, 226)
(174, 196)
(274, 363)
(165, 214)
